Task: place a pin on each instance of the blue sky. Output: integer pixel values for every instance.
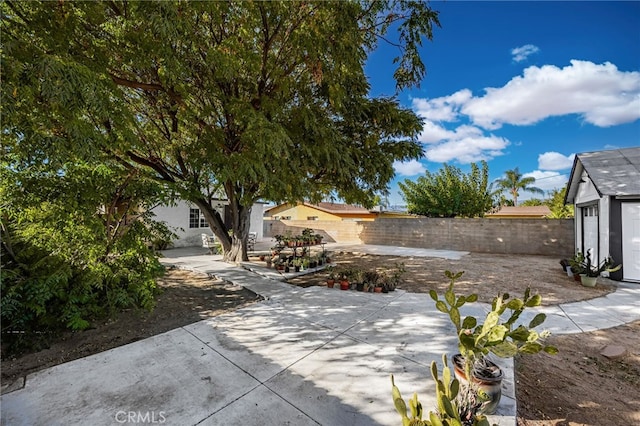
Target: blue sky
(522, 84)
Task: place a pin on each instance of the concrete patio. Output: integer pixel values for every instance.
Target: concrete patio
(300, 357)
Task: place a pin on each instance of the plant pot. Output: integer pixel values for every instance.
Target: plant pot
(331, 283)
(377, 289)
(588, 281)
(344, 285)
(569, 271)
(490, 383)
(576, 277)
(360, 286)
(287, 269)
(296, 268)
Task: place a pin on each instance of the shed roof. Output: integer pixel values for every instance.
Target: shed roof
(615, 172)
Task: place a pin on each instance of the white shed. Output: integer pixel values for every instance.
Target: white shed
(604, 187)
(187, 221)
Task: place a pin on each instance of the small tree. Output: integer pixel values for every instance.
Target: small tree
(513, 183)
(559, 210)
(449, 193)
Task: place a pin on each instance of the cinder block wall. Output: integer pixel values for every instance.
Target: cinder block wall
(552, 237)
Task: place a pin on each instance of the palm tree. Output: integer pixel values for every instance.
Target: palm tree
(514, 182)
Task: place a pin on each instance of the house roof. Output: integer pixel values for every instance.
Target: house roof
(614, 173)
(524, 211)
(333, 208)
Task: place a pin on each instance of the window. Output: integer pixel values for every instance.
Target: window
(196, 219)
(312, 217)
(590, 211)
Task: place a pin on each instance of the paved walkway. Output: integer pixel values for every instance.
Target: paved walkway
(301, 357)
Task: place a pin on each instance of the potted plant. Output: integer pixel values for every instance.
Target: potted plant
(577, 265)
(590, 273)
(503, 338)
(332, 277)
(344, 280)
(448, 410)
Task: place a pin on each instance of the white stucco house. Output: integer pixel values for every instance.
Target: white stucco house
(604, 188)
(188, 223)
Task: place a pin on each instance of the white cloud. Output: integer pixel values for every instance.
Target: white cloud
(445, 108)
(467, 149)
(410, 168)
(521, 53)
(547, 180)
(555, 161)
(600, 93)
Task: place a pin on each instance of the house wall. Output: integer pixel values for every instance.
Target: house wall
(553, 237)
(177, 218)
(332, 230)
(301, 212)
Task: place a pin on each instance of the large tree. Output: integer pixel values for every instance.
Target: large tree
(260, 100)
(514, 182)
(449, 192)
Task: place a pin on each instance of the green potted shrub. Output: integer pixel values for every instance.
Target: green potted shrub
(589, 273)
(503, 338)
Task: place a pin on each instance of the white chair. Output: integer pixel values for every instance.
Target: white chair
(251, 241)
(209, 242)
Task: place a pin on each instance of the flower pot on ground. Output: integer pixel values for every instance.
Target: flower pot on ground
(487, 378)
(377, 289)
(591, 272)
(344, 285)
(360, 286)
(588, 281)
(331, 283)
(502, 338)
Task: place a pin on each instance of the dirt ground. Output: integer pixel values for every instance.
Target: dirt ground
(576, 387)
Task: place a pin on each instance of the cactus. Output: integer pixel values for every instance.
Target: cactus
(448, 412)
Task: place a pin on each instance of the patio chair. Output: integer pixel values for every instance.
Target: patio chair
(251, 241)
(209, 242)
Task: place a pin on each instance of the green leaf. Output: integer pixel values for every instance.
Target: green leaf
(450, 297)
(531, 348)
(515, 304)
(552, 350)
(472, 298)
(469, 322)
(434, 295)
(537, 320)
(454, 314)
(535, 300)
(442, 307)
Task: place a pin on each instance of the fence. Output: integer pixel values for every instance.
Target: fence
(552, 237)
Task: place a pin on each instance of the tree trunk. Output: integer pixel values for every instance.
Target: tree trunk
(234, 246)
(240, 221)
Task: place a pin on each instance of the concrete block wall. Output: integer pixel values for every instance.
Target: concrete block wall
(551, 237)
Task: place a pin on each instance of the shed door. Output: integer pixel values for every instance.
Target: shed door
(590, 231)
(631, 241)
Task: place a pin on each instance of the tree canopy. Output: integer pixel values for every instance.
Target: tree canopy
(449, 192)
(260, 100)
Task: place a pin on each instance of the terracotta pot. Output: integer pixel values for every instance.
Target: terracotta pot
(330, 283)
(377, 289)
(490, 385)
(344, 285)
(576, 277)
